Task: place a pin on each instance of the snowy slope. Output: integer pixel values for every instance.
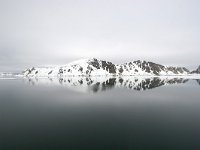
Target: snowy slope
(149, 68)
(95, 67)
(84, 67)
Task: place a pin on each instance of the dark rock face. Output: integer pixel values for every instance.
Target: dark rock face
(157, 68)
(177, 70)
(108, 66)
(80, 69)
(196, 71)
(95, 63)
(121, 70)
(29, 71)
(89, 70)
(149, 67)
(50, 72)
(61, 71)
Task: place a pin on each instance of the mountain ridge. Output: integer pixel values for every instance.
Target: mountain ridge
(96, 67)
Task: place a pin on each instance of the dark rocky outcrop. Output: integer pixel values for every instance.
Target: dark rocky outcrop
(177, 70)
(95, 63)
(150, 66)
(197, 71)
(108, 66)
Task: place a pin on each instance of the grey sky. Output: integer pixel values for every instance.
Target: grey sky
(45, 32)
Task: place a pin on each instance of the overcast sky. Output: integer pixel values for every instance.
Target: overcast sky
(45, 32)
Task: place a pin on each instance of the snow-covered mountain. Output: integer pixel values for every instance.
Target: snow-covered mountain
(95, 67)
(149, 68)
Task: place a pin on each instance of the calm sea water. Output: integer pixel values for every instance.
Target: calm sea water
(109, 114)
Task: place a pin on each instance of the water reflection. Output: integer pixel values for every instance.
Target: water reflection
(98, 84)
(198, 81)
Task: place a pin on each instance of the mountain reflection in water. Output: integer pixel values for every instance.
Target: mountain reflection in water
(98, 84)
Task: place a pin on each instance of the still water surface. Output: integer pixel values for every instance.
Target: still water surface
(100, 114)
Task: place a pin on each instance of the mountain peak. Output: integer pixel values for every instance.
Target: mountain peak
(84, 60)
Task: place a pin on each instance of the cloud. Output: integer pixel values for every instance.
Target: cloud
(57, 32)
